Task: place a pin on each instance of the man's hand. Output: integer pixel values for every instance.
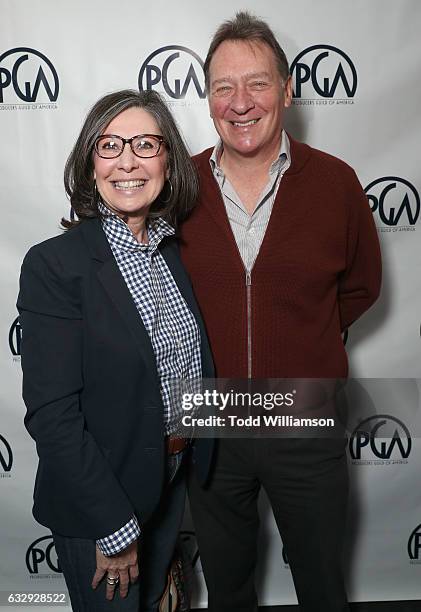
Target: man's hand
(124, 565)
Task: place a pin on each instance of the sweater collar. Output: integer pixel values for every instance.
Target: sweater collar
(300, 154)
(284, 156)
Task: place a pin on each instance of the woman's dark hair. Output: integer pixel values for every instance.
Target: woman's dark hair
(250, 29)
(79, 170)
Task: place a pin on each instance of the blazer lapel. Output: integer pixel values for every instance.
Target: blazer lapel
(169, 251)
(113, 282)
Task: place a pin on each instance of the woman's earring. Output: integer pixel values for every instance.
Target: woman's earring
(169, 198)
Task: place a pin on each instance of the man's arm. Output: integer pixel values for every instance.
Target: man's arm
(359, 285)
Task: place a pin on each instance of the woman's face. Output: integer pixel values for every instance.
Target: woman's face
(128, 184)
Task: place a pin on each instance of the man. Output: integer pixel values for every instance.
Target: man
(283, 256)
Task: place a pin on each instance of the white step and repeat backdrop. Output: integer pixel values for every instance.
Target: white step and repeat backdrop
(356, 70)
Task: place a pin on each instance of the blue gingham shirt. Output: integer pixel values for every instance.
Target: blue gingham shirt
(171, 326)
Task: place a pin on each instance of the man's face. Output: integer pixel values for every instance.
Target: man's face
(247, 98)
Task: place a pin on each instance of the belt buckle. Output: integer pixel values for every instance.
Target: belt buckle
(176, 445)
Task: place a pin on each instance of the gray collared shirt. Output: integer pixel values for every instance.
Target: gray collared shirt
(249, 230)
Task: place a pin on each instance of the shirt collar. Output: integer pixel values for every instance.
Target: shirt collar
(284, 156)
(121, 238)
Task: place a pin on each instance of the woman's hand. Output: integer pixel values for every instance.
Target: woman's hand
(124, 565)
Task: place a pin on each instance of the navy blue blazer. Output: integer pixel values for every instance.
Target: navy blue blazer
(91, 386)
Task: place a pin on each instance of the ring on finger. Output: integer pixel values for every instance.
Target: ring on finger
(113, 580)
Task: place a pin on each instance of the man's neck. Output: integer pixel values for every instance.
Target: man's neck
(258, 165)
(248, 176)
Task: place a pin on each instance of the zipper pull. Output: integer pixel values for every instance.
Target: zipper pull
(248, 278)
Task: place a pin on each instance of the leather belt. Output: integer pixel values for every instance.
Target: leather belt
(176, 445)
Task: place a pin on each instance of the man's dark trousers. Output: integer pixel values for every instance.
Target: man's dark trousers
(306, 481)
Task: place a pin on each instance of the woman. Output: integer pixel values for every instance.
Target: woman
(109, 319)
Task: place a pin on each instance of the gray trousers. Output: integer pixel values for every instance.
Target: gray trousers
(77, 557)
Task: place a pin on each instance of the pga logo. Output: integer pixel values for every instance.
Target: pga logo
(394, 200)
(15, 338)
(41, 555)
(380, 437)
(323, 71)
(414, 544)
(27, 75)
(174, 70)
(6, 455)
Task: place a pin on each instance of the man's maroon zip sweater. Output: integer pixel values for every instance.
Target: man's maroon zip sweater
(317, 271)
